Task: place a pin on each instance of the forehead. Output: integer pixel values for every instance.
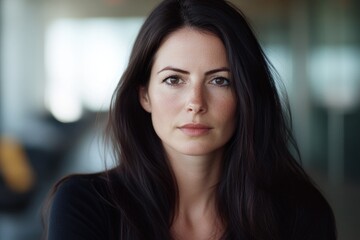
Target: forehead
(188, 45)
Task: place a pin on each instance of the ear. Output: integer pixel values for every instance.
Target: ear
(144, 98)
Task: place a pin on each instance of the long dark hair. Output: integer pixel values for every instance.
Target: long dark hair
(260, 175)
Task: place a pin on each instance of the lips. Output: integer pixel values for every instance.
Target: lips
(195, 129)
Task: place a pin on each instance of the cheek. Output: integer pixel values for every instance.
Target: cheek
(226, 111)
(225, 104)
(164, 107)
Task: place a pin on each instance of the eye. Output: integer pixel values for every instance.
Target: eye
(173, 80)
(220, 81)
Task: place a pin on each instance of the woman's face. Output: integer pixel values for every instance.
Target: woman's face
(190, 95)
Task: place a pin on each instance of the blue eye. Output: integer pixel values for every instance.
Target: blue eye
(173, 80)
(220, 81)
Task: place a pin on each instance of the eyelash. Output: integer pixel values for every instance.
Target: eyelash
(212, 81)
(227, 84)
(176, 77)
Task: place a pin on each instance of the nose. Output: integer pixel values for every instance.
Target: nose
(196, 100)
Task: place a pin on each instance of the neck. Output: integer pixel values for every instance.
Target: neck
(196, 216)
(197, 176)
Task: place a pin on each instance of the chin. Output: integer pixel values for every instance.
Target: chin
(199, 151)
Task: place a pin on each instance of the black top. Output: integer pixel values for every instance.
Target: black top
(81, 210)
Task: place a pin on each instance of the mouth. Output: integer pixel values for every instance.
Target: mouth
(195, 129)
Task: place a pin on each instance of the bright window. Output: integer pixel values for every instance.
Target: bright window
(85, 59)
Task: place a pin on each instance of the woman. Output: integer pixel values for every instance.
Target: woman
(201, 140)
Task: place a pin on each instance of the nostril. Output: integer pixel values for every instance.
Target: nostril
(195, 108)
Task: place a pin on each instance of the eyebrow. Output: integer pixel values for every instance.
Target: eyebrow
(169, 68)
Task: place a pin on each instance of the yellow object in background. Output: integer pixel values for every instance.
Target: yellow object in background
(14, 167)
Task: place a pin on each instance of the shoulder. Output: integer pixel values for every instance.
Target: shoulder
(81, 191)
(81, 209)
(308, 216)
(78, 186)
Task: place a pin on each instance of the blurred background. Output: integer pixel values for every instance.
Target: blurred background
(60, 60)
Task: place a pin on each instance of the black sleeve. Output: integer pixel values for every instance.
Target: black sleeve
(308, 218)
(78, 212)
(320, 224)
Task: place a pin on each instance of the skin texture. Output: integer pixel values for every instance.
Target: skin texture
(184, 90)
(192, 105)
